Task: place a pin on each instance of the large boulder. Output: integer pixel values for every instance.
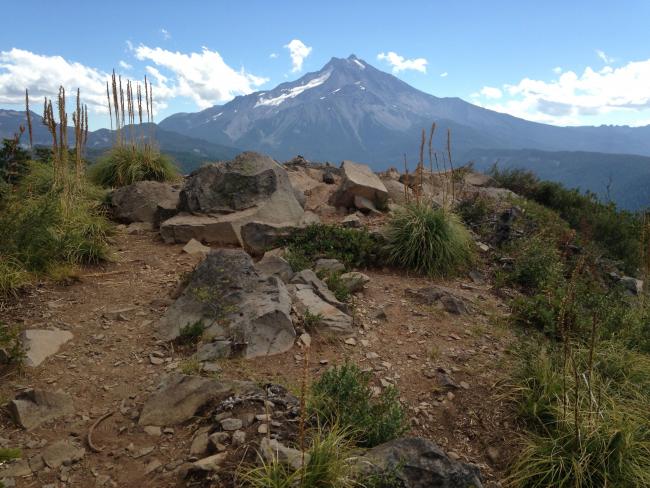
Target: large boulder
(243, 312)
(218, 199)
(419, 463)
(359, 181)
(397, 192)
(145, 201)
(31, 408)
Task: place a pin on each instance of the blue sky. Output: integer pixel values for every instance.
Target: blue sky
(567, 63)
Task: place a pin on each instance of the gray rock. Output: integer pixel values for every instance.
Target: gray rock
(145, 201)
(271, 449)
(259, 237)
(397, 192)
(62, 453)
(210, 463)
(365, 205)
(355, 281)
(351, 221)
(216, 230)
(39, 344)
(333, 321)
(231, 424)
(199, 444)
(478, 179)
(180, 397)
(235, 303)
(308, 277)
(419, 463)
(431, 294)
(31, 408)
(631, 284)
(329, 265)
(195, 247)
(358, 180)
(15, 469)
(238, 438)
(271, 264)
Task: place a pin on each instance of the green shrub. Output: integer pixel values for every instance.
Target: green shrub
(45, 230)
(191, 333)
(538, 264)
(474, 210)
(353, 247)
(8, 454)
(342, 396)
(429, 241)
(337, 285)
(311, 321)
(10, 342)
(124, 165)
(618, 232)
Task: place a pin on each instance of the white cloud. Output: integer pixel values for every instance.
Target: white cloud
(125, 65)
(273, 55)
(444, 74)
(298, 52)
(580, 98)
(204, 77)
(165, 33)
(491, 92)
(42, 75)
(557, 70)
(399, 63)
(604, 57)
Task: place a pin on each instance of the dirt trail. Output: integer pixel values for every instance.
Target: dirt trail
(107, 367)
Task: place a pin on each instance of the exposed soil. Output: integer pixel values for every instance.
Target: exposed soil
(112, 312)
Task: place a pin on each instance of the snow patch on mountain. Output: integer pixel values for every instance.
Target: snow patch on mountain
(292, 92)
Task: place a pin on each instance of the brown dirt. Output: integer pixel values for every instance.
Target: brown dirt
(107, 367)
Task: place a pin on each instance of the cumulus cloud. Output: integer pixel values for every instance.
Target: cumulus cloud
(557, 70)
(444, 74)
(604, 57)
(42, 75)
(572, 96)
(298, 52)
(204, 77)
(491, 92)
(400, 63)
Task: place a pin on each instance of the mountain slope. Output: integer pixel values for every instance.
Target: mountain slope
(349, 109)
(188, 152)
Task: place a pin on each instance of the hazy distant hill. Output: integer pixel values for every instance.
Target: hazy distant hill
(627, 175)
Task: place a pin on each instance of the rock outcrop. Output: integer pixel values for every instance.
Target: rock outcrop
(359, 181)
(419, 463)
(243, 312)
(31, 408)
(218, 199)
(145, 201)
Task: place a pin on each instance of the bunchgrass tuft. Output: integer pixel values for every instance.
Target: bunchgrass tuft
(429, 241)
(124, 165)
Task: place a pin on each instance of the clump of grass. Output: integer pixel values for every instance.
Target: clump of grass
(329, 462)
(429, 241)
(12, 275)
(474, 210)
(190, 366)
(342, 396)
(8, 454)
(311, 321)
(337, 285)
(586, 421)
(537, 265)
(124, 165)
(10, 342)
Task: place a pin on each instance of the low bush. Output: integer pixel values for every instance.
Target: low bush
(537, 264)
(342, 396)
(618, 232)
(124, 165)
(337, 285)
(429, 241)
(11, 345)
(354, 247)
(474, 210)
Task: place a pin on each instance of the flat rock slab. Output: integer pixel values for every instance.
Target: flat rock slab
(332, 320)
(180, 397)
(431, 294)
(42, 343)
(145, 201)
(62, 453)
(31, 408)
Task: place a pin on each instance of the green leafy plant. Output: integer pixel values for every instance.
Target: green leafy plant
(124, 165)
(427, 240)
(337, 285)
(538, 264)
(342, 396)
(191, 333)
(311, 321)
(353, 247)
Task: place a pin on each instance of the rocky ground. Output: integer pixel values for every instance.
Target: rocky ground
(112, 427)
